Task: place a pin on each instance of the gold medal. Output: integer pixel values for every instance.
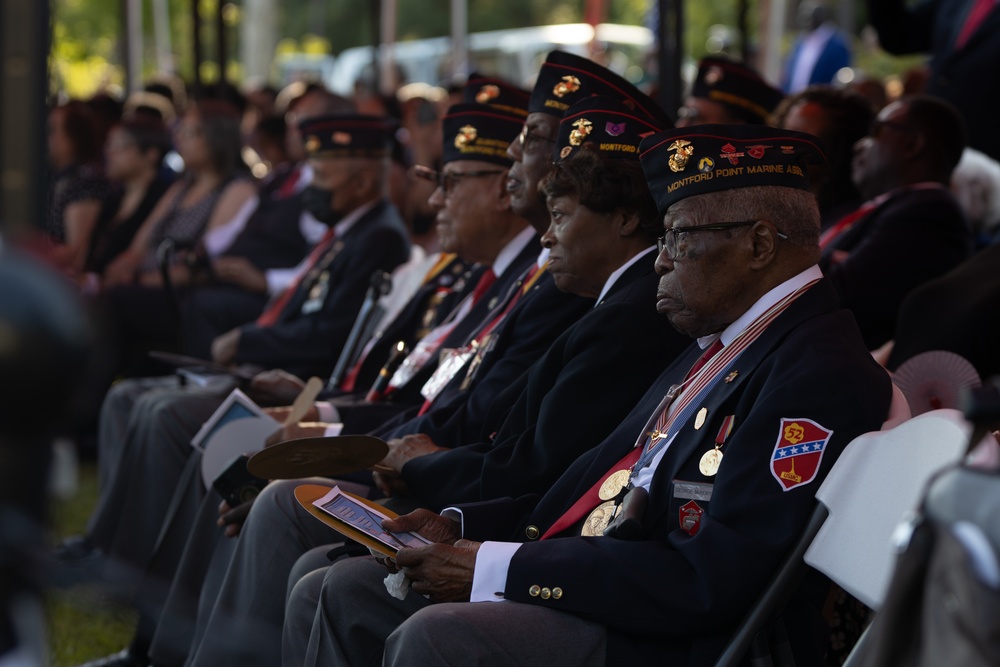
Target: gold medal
(710, 461)
(699, 419)
(598, 520)
(617, 481)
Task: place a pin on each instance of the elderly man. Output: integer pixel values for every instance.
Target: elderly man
(651, 546)
(911, 229)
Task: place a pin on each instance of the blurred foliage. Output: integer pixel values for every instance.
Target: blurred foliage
(86, 53)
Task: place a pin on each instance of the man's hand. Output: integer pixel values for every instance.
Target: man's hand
(427, 524)
(233, 518)
(296, 431)
(240, 272)
(401, 450)
(443, 573)
(277, 387)
(390, 483)
(224, 347)
(281, 414)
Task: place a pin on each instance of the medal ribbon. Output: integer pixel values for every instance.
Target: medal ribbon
(273, 310)
(701, 380)
(521, 288)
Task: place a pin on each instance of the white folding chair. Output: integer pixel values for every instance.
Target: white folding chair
(874, 484)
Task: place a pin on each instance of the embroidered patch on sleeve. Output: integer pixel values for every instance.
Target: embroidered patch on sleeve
(798, 452)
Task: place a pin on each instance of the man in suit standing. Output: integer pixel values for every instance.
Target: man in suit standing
(819, 52)
(963, 38)
(631, 556)
(911, 229)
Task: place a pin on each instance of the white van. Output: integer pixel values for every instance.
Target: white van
(514, 55)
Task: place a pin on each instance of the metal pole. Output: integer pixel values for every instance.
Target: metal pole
(220, 41)
(387, 74)
(459, 40)
(161, 32)
(24, 48)
(134, 30)
(671, 53)
(196, 45)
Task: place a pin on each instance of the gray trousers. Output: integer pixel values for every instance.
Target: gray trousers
(358, 623)
(243, 624)
(151, 459)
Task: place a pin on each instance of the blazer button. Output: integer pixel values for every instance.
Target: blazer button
(556, 593)
(531, 532)
(535, 590)
(546, 593)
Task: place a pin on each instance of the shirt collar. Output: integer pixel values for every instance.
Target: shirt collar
(772, 297)
(513, 248)
(348, 220)
(617, 273)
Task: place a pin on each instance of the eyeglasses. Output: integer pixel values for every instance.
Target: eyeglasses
(446, 180)
(530, 140)
(670, 242)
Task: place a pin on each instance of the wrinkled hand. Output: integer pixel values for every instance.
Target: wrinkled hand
(402, 450)
(443, 573)
(390, 483)
(233, 518)
(296, 431)
(240, 272)
(277, 387)
(427, 524)
(224, 347)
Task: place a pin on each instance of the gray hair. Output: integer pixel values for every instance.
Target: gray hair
(794, 212)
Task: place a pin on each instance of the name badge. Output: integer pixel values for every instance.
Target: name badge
(693, 490)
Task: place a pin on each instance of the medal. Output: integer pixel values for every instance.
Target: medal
(699, 419)
(613, 485)
(598, 520)
(710, 461)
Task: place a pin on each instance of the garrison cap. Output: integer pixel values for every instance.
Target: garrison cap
(348, 135)
(709, 158)
(607, 125)
(566, 78)
(497, 93)
(479, 132)
(737, 86)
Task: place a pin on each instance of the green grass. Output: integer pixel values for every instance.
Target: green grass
(85, 622)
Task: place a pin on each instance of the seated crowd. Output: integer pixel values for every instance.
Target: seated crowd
(606, 333)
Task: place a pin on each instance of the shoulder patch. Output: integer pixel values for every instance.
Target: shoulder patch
(798, 452)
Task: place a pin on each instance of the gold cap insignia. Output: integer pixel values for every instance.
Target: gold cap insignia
(583, 128)
(487, 93)
(312, 143)
(566, 150)
(568, 84)
(714, 75)
(466, 135)
(342, 138)
(678, 161)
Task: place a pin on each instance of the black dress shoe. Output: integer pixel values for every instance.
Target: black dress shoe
(123, 658)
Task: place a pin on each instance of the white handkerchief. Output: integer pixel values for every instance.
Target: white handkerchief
(398, 585)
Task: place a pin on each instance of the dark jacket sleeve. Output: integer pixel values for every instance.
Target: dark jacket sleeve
(314, 341)
(576, 395)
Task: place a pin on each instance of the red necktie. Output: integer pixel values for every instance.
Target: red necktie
(977, 14)
(591, 499)
(273, 310)
(844, 224)
(287, 188)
